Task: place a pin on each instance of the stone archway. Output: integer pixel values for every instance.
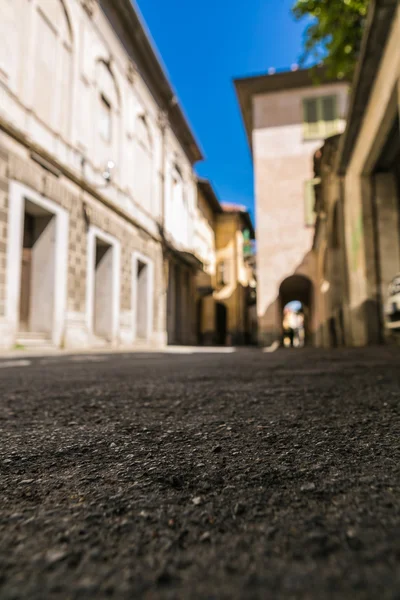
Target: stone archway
(300, 288)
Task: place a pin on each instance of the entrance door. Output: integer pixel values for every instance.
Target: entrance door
(199, 320)
(178, 305)
(37, 284)
(142, 300)
(221, 324)
(103, 290)
(26, 274)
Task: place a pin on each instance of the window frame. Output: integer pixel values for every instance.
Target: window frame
(221, 273)
(323, 128)
(104, 102)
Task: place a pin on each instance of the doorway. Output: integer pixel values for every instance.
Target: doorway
(103, 290)
(37, 268)
(221, 325)
(199, 321)
(37, 282)
(295, 300)
(142, 296)
(103, 286)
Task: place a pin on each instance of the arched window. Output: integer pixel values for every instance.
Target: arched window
(107, 123)
(53, 65)
(143, 164)
(180, 208)
(10, 42)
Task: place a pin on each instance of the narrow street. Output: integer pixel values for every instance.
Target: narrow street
(217, 476)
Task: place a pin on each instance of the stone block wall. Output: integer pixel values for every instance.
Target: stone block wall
(83, 210)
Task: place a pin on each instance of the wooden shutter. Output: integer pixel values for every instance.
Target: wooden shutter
(329, 114)
(320, 117)
(310, 108)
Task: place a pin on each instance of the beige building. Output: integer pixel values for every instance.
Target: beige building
(98, 198)
(287, 117)
(358, 199)
(227, 288)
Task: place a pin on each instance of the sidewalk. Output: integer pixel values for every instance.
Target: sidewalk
(26, 353)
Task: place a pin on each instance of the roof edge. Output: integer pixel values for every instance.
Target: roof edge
(156, 72)
(248, 87)
(379, 22)
(210, 194)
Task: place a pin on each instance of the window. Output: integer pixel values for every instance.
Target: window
(10, 41)
(143, 164)
(46, 51)
(180, 213)
(309, 202)
(221, 273)
(53, 65)
(105, 124)
(107, 115)
(320, 117)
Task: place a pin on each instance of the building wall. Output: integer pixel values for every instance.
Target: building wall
(366, 295)
(282, 165)
(331, 289)
(70, 91)
(75, 331)
(233, 295)
(204, 244)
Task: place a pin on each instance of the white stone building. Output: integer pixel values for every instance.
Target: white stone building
(98, 200)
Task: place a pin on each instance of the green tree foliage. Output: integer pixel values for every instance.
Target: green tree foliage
(334, 33)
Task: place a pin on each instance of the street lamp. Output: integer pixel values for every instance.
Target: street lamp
(107, 176)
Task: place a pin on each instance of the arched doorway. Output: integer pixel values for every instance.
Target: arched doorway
(296, 296)
(221, 324)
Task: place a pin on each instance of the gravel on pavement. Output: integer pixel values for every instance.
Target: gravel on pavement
(201, 476)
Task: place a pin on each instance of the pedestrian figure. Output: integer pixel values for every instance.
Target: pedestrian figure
(288, 329)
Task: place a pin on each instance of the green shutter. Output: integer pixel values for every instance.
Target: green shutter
(320, 117)
(328, 108)
(310, 108)
(329, 114)
(309, 203)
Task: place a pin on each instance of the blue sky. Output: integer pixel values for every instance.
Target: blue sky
(204, 45)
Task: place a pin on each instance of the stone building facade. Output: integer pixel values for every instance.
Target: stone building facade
(358, 197)
(286, 117)
(98, 197)
(226, 288)
(329, 248)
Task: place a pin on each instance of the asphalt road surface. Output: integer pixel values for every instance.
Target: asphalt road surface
(212, 476)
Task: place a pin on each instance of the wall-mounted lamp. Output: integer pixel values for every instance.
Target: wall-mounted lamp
(106, 174)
